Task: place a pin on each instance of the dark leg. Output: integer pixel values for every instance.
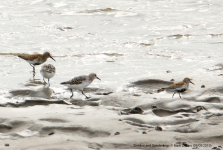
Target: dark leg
(173, 94)
(33, 68)
(71, 92)
(49, 82)
(85, 95)
(44, 80)
(179, 95)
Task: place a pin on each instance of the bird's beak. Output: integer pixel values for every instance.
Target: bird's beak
(98, 78)
(52, 58)
(192, 82)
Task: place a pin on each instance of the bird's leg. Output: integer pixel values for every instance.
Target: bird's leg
(49, 82)
(173, 94)
(179, 95)
(71, 92)
(85, 95)
(33, 68)
(44, 80)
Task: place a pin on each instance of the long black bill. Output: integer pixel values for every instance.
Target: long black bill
(52, 58)
(192, 82)
(98, 78)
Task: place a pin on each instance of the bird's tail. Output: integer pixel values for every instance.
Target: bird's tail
(160, 90)
(67, 82)
(22, 56)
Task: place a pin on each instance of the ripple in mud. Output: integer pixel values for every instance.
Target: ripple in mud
(165, 112)
(135, 110)
(77, 130)
(11, 126)
(28, 103)
(53, 120)
(210, 100)
(98, 10)
(150, 84)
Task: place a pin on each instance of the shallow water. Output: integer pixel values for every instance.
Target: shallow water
(123, 42)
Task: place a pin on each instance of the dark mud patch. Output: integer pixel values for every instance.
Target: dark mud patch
(75, 130)
(53, 120)
(20, 92)
(97, 91)
(135, 120)
(178, 36)
(11, 126)
(135, 110)
(99, 10)
(80, 102)
(113, 54)
(210, 100)
(159, 55)
(139, 124)
(28, 103)
(65, 28)
(138, 44)
(186, 129)
(5, 127)
(146, 44)
(165, 112)
(43, 92)
(150, 84)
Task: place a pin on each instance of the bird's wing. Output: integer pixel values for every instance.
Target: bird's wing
(76, 80)
(29, 57)
(181, 89)
(175, 85)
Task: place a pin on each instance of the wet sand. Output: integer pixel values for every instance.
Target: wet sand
(136, 48)
(144, 119)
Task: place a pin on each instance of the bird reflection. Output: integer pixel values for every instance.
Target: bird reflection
(43, 92)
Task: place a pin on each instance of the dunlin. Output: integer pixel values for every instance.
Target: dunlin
(47, 71)
(80, 82)
(35, 59)
(179, 87)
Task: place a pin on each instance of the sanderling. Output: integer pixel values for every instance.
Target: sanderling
(179, 87)
(35, 59)
(47, 71)
(80, 82)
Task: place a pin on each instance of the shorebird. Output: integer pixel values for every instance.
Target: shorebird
(179, 87)
(80, 82)
(47, 71)
(35, 59)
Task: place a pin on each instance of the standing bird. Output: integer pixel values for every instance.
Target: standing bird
(80, 82)
(47, 71)
(179, 87)
(35, 59)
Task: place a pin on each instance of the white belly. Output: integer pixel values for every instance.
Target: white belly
(78, 86)
(47, 74)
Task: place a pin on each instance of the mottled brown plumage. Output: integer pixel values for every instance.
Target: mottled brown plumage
(35, 59)
(80, 82)
(179, 87)
(47, 71)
